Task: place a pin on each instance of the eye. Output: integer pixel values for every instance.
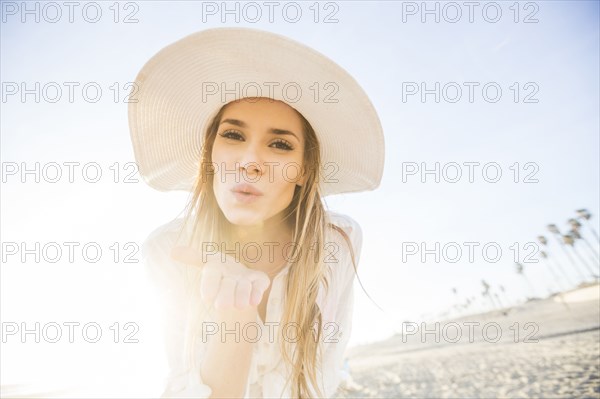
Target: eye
(283, 145)
(232, 135)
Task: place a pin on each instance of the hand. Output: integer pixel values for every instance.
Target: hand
(228, 284)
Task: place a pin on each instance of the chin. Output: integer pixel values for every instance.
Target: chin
(243, 218)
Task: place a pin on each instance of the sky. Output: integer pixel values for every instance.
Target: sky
(536, 123)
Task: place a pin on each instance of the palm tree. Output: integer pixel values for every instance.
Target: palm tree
(586, 215)
(594, 256)
(553, 229)
(498, 299)
(520, 270)
(570, 241)
(503, 291)
(575, 227)
(467, 304)
(546, 256)
(486, 293)
(457, 304)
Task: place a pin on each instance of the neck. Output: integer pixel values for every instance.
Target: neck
(268, 241)
(272, 229)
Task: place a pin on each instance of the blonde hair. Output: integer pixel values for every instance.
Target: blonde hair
(307, 272)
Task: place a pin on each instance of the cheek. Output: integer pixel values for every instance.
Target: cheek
(284, 185)
(221, 159)
(218, 158)
(217, 153)
(294, 173)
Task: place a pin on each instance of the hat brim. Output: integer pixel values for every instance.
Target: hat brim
(181, 88)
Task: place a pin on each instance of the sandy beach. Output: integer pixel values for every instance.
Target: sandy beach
(546, 348)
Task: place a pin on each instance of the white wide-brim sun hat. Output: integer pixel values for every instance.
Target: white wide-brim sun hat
(181, 88)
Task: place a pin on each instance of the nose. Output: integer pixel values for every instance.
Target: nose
(250, 161)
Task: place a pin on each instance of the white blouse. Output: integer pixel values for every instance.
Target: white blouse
(267, 376)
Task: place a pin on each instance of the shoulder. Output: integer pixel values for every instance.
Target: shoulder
(163, 237)
(341, 220)
(156, 252)
(341, 259)
(346, 224)
(343, 231)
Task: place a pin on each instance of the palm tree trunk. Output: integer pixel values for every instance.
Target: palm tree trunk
(556, 278)
(583, 262)
(563, 271)
(533, 293)
(570, 258)
(589, 226)
(592, 250)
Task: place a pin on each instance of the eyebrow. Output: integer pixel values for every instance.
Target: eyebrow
(281, 132)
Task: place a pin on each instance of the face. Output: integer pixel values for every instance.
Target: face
(258, 148)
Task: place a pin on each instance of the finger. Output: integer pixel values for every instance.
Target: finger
(225, 297)
(210, 284)
(261, 279)
(187, 255)
(259, 286)
(242, 294)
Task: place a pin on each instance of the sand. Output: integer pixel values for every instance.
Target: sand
(556, 355)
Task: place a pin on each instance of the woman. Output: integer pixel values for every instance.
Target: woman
(256, 254)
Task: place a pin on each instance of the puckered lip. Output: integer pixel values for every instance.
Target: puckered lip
(246, 188)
